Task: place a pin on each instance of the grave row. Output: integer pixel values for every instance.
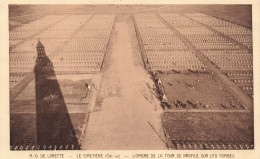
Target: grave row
(155, 67)
(168, 60)
(156, 58)
(239, 32)
(150, 25)
(155, 31)
(178, 20)
(179, 54)
(85, 51)
(218, 49)
(229, 61)
(52, 41)
(14, 59)
(163, 43)
(201, 37)
(226, 52)
(156, 36)
(206, 38)
(194, 30)
(247, 88)
(203, 41)
(22, 69)
(235, 60)
(80, 54)
(204, 45)
(234, 31)
(87, 67)
(30, 45)
(61, 60)
(14, 79)
(209, 20)
(88, 33)
(50, 44)
(152, 40)
(13, 83)
(174, 61)
(166, 46)
(238, 76)
(153, 37)
(212, 145)
(147, 21)
(216, 45)
(228, 57)
(236, 67)
(20, 34)
(215, 42)
(100, 23)
(89, 44)
(244, 82)
(242, 38)
(90, 41)
(71, 23)
(213, 22)
(54, 34)
(22, 63)
(26, 30)
(23, 57)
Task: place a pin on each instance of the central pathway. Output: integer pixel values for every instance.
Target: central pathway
(130, 115)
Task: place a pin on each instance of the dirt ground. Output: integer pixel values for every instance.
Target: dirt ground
(197, 91)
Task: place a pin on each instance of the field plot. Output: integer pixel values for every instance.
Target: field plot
(82, 52)
(86, 50)
(25, 31)
(192, 91)
(41, 113)
(232, 58)
(191, 96)
(23, 57)
(162, 48)
(209, 131)
(41, 53)
(224, 53)
(237, 32)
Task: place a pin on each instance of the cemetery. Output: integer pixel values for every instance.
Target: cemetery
(193, 68)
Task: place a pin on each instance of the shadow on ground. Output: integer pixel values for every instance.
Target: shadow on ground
(54, 126)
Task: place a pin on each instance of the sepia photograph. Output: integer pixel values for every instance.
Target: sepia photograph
(131, 77)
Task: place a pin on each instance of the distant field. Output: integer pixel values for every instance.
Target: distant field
(240, 14)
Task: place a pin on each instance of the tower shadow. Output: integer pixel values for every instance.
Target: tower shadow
(53, 123)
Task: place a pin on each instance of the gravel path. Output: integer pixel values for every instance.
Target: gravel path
(130, 115)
